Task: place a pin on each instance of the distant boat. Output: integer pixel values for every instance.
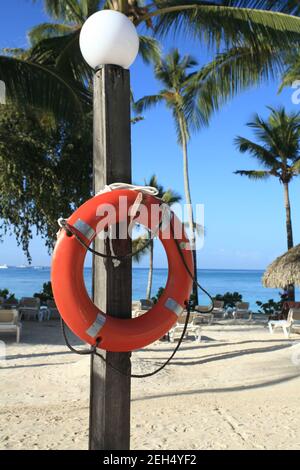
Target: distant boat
(3, 266)
(22, 266)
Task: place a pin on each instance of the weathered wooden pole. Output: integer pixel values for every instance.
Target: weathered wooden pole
(110, 390)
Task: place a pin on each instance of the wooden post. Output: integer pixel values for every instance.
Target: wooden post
(110, 390)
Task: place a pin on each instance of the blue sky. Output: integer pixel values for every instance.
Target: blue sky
(244, 220)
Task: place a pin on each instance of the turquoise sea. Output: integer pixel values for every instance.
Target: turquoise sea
(24, 282)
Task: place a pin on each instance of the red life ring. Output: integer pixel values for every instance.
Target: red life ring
(73, 301)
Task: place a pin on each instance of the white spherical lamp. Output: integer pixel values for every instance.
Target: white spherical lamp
(109, 37)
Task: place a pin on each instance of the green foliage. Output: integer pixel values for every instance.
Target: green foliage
(180, 93)
(170, 197)
(229, 22)
(278, 150)
(140, 246)
(29, 82)
(45, 173)
(53, 75)
(270, 307)
(292, 72)
(229, 298)
(46, 293)
(237, 69)
(158, 295)
(6, 295)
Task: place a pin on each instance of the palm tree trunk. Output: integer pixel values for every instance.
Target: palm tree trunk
(289, 229)
(188, 200)
(150, 273)
(289, 232)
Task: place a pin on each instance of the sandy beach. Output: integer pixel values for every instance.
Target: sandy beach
(237, 389)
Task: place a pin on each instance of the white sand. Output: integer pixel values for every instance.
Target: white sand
(238, 389)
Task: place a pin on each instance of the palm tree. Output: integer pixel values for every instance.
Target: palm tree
(52, 73)
(169, 197)
(278, 151)
(181, 94)
(292, 73)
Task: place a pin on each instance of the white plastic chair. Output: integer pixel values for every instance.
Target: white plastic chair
(29, 306)
(192, 327)
(9, 322)
(143, 306)
(241, 310)
(292, 321)
(218, 310)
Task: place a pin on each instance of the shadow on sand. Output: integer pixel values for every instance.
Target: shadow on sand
(238, 388)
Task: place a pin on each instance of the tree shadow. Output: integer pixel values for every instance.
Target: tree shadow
(237, 388)
(216, 344)
(46, 364)
(29, 356)
(222, 356)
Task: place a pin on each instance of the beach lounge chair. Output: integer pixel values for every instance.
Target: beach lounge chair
(242, 310)
(192, 328)
(9, 303)
(145, 304)
(9, 322)
(201, 317)
(29, 307)
(217, 312)
(142, 307)
(53, 313)
(292, 322)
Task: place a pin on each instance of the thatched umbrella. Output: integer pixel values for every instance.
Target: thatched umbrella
(284, 271)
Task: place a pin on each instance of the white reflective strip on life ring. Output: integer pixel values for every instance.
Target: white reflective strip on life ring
(172, 305)
(94, 329)
(85, 229)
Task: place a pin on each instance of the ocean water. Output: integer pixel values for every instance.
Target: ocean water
(24, 282)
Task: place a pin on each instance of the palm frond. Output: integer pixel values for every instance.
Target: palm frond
(287, 6)
(16, 52)
(147, 102)
(295, 168)
(29, 83)
(65, 10)
(292, 73)
(280, 132)
(254, 174)
(262, 154)
(140, 246)
(149, 49)
(196, 110)
(228, 22)
(48, 30)
(171, 197)
(236, 70)
(64, 54)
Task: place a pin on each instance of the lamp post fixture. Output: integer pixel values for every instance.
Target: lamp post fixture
(109, 43)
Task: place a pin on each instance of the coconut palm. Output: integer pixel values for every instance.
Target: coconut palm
(278, 151)
(181, 93)
(53, 72)
(169, 197)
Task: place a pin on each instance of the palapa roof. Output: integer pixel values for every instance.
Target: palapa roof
(284, 270)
